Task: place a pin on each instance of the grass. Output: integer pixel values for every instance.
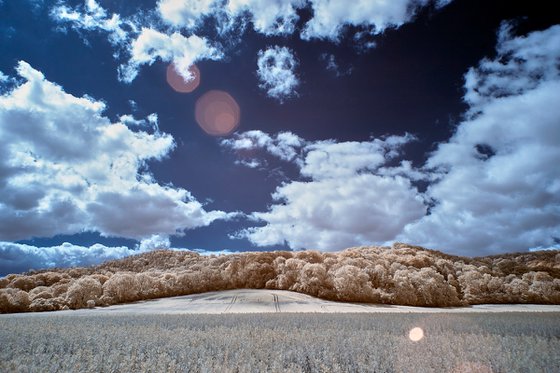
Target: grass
(502, 342)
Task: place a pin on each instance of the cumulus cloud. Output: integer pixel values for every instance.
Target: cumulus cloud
(182, 51)
(494, 185)
(331, 16)
(343, 200)
(333, 213)
(65, 168)
(523, 64)
(276, 74)
(498, 187)
(156, 241)
(92, 17)
(15, 258)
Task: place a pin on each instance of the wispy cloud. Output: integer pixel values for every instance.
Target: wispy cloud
(160, 33)
(182, 51)
(92, 17)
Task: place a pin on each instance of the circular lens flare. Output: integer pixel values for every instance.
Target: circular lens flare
(416, 334)
(178, 83)
(217, 113)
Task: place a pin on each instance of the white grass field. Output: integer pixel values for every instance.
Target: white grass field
(289, 333)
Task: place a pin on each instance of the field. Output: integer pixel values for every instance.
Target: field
(280, 342)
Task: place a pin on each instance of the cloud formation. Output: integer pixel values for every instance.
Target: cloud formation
(92, 17)
(185, 13)
(65, 168)
(179, 33)
(16, 258)
(498, 187)
(182, 51)
(279, 17)
(285, 145)
(342, 201)
(269, 17)
(276, 72)
(493, 185)
(331, 16)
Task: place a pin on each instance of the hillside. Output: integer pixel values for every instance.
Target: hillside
(401, 274)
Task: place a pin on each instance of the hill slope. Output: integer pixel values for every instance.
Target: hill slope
(402, 274)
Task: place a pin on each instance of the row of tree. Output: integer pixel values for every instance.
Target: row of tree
(402, 274)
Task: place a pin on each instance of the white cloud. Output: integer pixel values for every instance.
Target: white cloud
(151, 121)
(185, 13)
(17, 258)
(279, 17)
(499, 187)
(91, 16)
(344, 203)
(330, 16)
(530, 61)
(144, 45)
(154, 242)
(146, 39)
(285, 145)
(495, 182)
(276, 74)
(269, 17)
(336, 213)
(151, 45)
(217, 252)
(65, 168)
(331, 159)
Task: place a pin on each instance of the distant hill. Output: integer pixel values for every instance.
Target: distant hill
(401, 274)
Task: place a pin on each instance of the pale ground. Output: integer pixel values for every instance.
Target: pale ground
(271, 301)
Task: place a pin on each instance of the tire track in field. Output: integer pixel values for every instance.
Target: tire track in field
(276, 302)
(233, 300)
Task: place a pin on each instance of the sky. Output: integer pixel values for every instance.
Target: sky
(247, 125)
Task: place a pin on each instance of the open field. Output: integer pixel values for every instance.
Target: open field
(278, 342)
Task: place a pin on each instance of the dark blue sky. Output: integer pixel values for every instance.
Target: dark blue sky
(376, 138)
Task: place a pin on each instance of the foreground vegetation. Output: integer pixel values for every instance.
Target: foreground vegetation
(403, 275)
(280, 343)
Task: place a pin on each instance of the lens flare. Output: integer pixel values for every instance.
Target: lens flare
(178, 83)
(217, 113)
(416, 334)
